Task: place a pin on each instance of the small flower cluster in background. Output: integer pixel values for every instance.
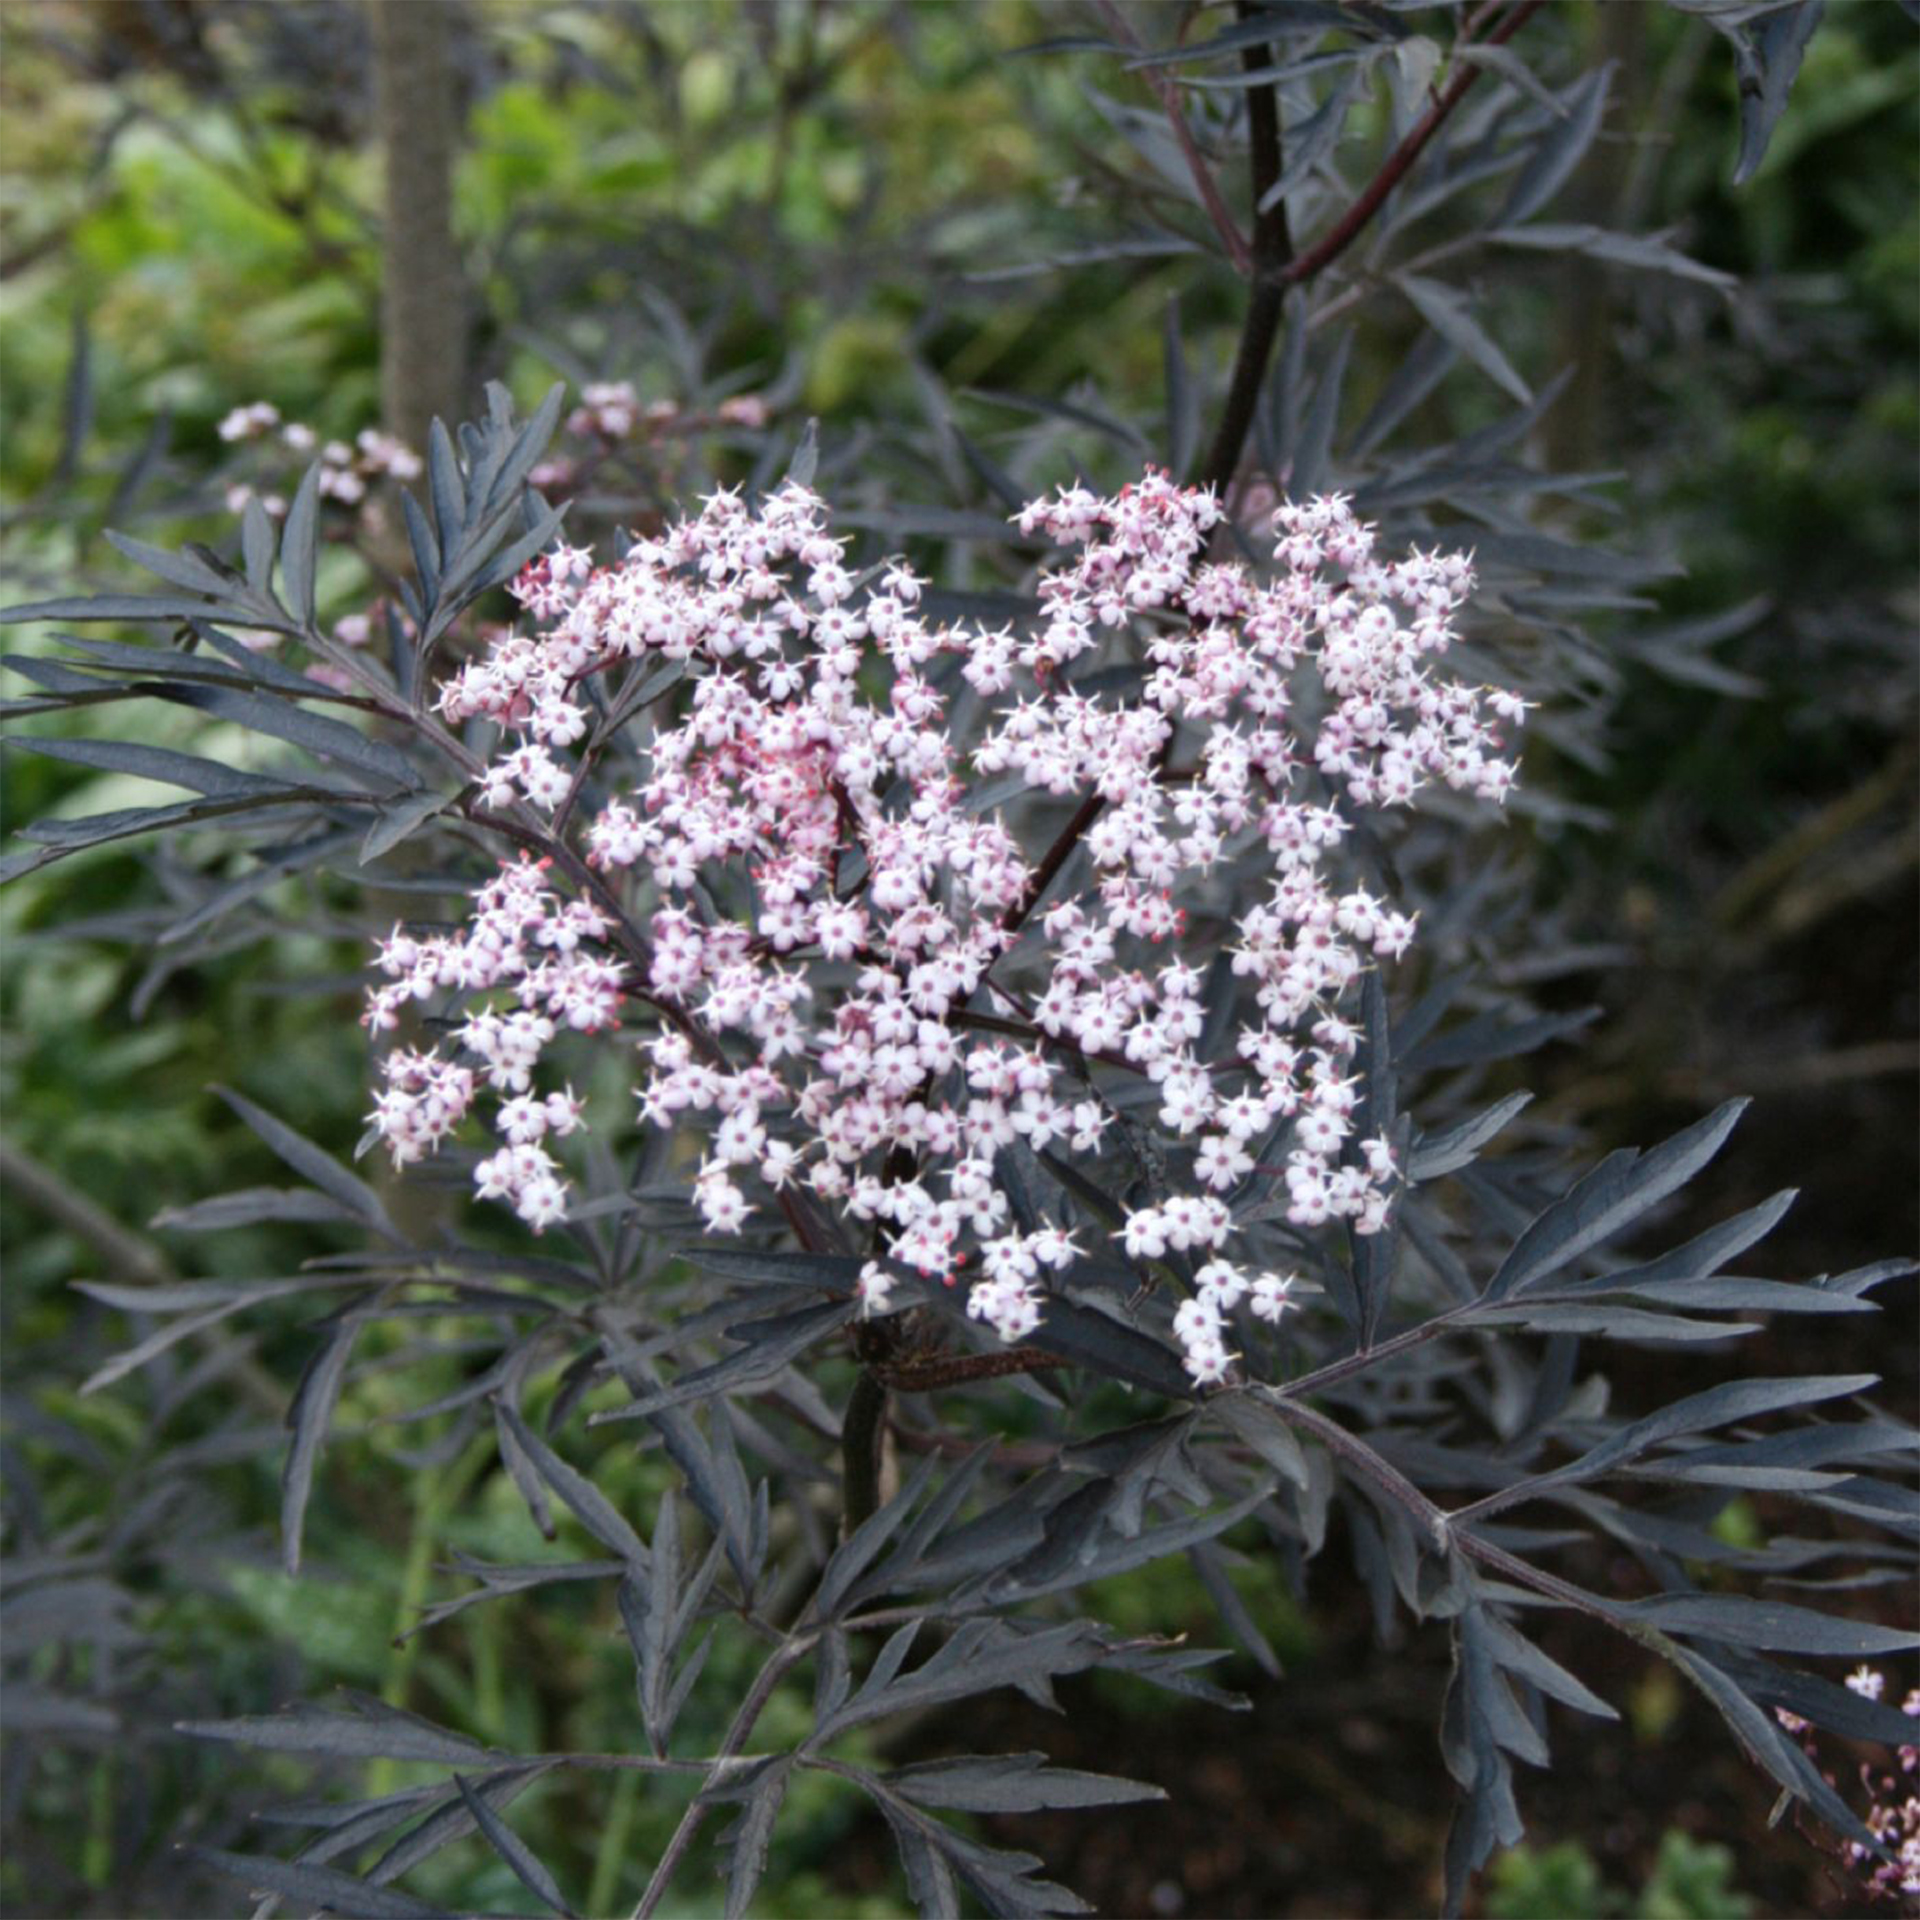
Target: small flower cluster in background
(613, 422)
(1892, 1813)
(887, 979)
(345, 471)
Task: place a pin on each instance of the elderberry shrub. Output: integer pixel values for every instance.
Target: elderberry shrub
(1006, 1011)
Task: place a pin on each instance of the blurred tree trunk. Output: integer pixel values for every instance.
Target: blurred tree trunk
(423, 309)
(1578, 428)
(423, 330)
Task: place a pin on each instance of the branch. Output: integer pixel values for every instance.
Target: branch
(862, 1428)
(125, 1255)
(1278, 268)
(1168, 93)
(1394, 168)
(961, 1369)
(725, 1761)
(1051, 862)
(1272, 252)
(1363, 1459)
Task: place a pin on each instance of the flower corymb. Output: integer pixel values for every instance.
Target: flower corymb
(880, 895)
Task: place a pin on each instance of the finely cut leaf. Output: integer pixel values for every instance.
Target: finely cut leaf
(1012, 1783)
(1771, 1625)
(527, 1866)
(1612, 1197)
(1445, 310)
(309, 1417)
(196, 774)
(320, 1887)
(1560, 149)
(1459, 1146)
(318, 1167)
(341, 1736)
(590, 1506)
(1716, 1407)
(314, 733)
(299, 547)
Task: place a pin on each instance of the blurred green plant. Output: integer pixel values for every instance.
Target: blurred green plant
(1689, 1880)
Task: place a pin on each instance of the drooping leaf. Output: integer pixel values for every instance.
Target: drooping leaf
(1514, 1651)
(1768, 1745)
(589, 1505)
(1768, 46)
(1481, 1724)
(1446, 311)
(1004, 1881)
(748, 1839)
(308, 1419)
(526, 1865)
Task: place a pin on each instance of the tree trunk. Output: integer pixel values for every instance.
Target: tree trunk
(423, 312)
(423, 336)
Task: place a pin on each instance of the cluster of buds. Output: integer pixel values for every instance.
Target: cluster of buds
(613, 410)
(346, 471)
(865, 965)
(1892, 1812)
(611, 415)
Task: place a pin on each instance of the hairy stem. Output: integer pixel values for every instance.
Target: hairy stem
(1364, 1460)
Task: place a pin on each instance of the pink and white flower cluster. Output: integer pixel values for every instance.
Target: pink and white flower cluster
(1893, 1799)
(843, 881)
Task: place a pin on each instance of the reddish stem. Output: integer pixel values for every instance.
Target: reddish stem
(1394, 168)
(1168, 94)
